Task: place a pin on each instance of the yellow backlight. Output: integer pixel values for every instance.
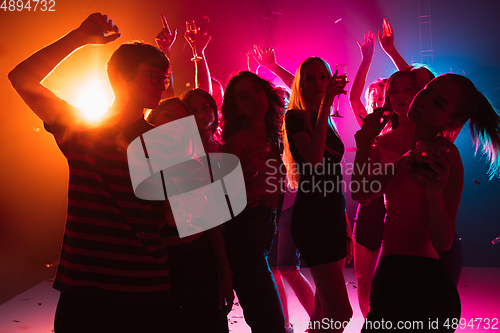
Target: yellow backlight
(94, 97)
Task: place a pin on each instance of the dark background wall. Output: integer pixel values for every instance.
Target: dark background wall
(34, 173)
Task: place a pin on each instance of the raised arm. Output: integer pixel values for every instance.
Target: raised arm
(198, 44)
(386, 40)
(27, 77)
(267, 58)
(358, 84)
(165, 39)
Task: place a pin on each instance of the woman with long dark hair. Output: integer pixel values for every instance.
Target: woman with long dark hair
(251, 116)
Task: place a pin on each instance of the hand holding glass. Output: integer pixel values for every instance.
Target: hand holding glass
(425, 152)
(192, 31)
(341, 76)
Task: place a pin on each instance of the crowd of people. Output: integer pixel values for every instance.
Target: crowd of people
(123, 266)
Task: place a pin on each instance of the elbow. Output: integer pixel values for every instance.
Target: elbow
(13, 77)
(442, 244)
(441, 247)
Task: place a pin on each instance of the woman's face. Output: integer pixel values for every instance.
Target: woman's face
(315, 78)
(401, 93)
(284, 98)
(251, 98)
(170, 112)
(203, 113)
(217, 94)
(434, 105)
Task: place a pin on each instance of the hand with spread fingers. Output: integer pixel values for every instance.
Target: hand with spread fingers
(264, 57)
(386, 37)
(165, 38)
(368, 48)
(98, 29)
(199, 42)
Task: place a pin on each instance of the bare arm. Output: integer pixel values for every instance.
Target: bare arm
(27, 77)
(313, 148)
(267, 58)
(386, 40)
(358, 84)
(198, 44)
(165, 39)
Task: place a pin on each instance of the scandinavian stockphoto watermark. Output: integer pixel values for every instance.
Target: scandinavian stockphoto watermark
(203, 190)
(325, 177)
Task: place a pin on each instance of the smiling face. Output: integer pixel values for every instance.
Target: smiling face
(217, 93)
(433, 106)
(400, 94)
(145, 88)
(251, 98)
(203, 113)
(315, 78)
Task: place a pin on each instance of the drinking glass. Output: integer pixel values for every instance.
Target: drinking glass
(425, 152)
(341, 76)
(192, 31)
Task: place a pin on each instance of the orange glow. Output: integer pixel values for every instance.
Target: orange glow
(94, 97)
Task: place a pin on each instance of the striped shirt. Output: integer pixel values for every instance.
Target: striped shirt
(111, 241)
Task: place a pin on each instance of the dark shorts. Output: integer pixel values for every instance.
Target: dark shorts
(411, 289)
(369, 224)
(284, 255)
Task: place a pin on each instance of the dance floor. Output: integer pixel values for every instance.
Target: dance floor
(33, 310)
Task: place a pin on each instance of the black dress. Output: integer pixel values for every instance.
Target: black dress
(318, 222)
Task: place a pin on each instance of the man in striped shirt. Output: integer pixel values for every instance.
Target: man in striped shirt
(113, 272)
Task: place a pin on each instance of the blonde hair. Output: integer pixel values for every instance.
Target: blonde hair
(484, 121)
(299, 104)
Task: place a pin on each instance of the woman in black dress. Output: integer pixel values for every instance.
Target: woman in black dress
(313, 152)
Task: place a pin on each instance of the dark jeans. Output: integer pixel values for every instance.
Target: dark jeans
(194, 283)
(248, 238)
(102, 313)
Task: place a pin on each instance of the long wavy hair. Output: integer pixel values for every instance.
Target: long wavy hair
(374, 95)
(232, 121)
(484, 121)
(299, 104)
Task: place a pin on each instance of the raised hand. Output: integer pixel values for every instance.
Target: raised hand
(264, 57)
(199, 42)
(98, 29)
(165, 39)
(386, 38)
(367, 49)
